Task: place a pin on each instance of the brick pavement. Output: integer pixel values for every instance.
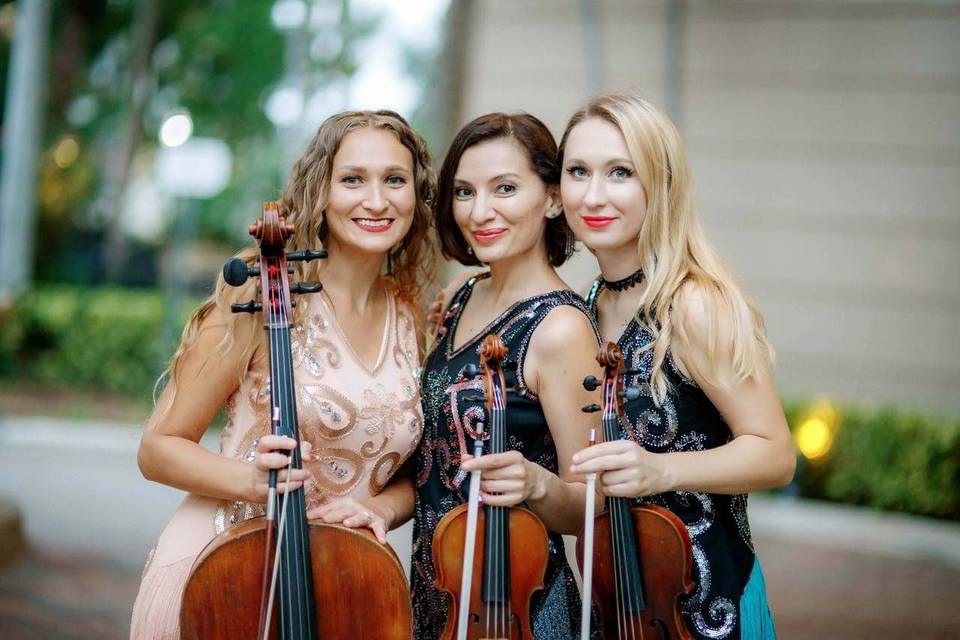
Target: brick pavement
(815, 592)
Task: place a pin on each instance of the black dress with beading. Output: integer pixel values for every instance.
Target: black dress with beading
(449, 430)
(729, 600)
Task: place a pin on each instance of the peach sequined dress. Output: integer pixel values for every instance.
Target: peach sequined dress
(362, 424)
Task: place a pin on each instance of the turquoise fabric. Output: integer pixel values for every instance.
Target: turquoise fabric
(756, 623)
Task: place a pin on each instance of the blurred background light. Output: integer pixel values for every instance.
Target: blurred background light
(66, 152)
(176, 129)
(284, 106)
(288, 14)
(814, 436)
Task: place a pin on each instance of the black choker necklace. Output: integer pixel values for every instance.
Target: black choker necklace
(624, 283)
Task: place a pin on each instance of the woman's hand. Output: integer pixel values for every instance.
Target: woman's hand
(624, 469)
(507, 478)
(271, 455)
(351, 513)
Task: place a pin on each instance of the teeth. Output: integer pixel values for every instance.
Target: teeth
(374, 223)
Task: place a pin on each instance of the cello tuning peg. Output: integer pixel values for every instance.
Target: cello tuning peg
(246, 307)
(306, 255)
(305, 287)
(236, 272)
(630, 393)
(591, 408)
(590, 383)
(471, 371)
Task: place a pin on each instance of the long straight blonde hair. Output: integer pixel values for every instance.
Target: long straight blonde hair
(672, 245)
(410, 265)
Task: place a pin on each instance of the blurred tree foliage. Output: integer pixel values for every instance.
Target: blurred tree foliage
(117, 69)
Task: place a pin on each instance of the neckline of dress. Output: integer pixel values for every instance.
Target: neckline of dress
(385, 338)
(452, 333)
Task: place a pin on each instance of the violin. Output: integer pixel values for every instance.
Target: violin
(490, 561)
(292, 580)
(641, 557)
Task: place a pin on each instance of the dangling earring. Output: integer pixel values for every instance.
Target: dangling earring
(570, 245)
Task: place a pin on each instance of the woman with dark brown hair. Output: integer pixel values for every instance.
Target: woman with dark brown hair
(498, 205)
(364, 189)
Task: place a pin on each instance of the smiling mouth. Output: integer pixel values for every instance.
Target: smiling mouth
(597, 222)
(374, 225)
(488, 235)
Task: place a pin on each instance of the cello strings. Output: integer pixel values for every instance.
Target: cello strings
(299, 531)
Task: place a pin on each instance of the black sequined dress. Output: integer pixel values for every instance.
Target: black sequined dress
(729, 600)
(449, 431)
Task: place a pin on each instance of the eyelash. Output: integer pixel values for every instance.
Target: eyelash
(575, 172)
(391, 180)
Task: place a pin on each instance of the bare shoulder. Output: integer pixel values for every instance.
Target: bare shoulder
(563, 327)
(698, 311)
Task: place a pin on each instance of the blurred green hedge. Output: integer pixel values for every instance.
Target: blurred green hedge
(885, 458)
(103, 339)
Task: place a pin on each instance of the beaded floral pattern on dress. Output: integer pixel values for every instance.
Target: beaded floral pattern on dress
(452, 417)
(687, 421)
(360, 425)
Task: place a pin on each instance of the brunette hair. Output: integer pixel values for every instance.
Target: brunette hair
(541, 149)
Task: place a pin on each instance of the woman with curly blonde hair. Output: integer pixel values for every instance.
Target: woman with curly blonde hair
(363, 190)
(708, 426)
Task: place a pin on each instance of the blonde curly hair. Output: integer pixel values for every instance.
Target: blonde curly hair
(410, 266)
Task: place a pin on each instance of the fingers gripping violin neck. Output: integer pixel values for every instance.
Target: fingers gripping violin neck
(641, 557)
(490, 581)
(258, 580)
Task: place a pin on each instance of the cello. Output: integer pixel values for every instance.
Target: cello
(292, 579)
(641, 558)
(489, 591)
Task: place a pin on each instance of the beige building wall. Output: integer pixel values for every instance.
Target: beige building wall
(825, 144)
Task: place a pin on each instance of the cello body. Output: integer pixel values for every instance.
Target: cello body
(359, 587)
(527, 562)
(664, 544)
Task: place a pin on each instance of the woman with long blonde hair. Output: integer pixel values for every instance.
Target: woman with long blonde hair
(363, 190)
(708, 426)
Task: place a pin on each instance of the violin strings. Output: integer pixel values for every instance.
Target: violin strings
(618, 521)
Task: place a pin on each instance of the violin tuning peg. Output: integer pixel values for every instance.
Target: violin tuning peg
(236, 272)
(590, 383)
(591, 408)
(307, 255)
(246, 307)
(471, 371)
(305, 287)
(630, 393)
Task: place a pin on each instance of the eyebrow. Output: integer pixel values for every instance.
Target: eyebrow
(504, 175)
(358, 169)
(612, 161)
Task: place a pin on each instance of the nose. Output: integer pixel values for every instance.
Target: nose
(596, 195)
(482, 210)
(375, 202)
